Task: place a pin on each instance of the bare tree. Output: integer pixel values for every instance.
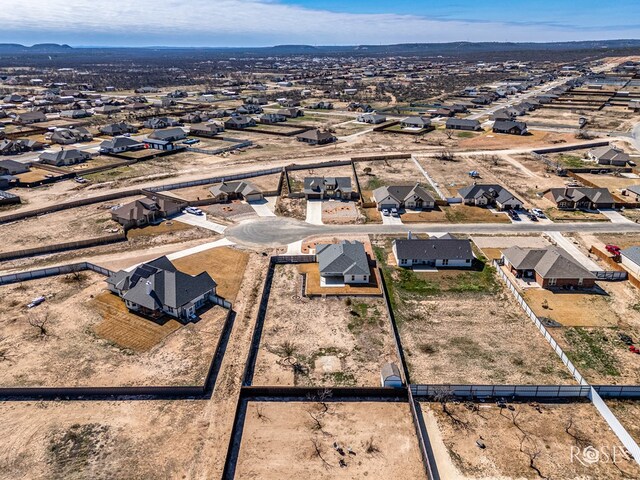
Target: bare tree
(444, 395)
(318, 452)
(448, 134)
(39, 322)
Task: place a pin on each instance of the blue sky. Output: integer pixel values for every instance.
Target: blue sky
(329, 22)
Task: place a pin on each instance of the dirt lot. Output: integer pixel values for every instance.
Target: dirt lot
(234, 211)
(321, 341)
(628, 412)
(313, 286)
(464, 327)
(496, 141)
(613, 183)
(282, 441)
(377, 174)
(339, 213)
(557, 215)
(100, 440)
(292, 207)
(549, 435)
(80, 223)
(70, 352)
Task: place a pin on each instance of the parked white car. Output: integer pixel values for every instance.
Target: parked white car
(385, 212)
(193, 211)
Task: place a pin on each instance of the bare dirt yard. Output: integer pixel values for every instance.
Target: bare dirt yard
(292, 207)
(283, 441)
(100, 440)
(82, 223)
(465, 327)
(372, 175)
(265, 183)
(328, 341)
(72, 338)
(497, 141)
(547, 437)
(340, 213)
(628, 412)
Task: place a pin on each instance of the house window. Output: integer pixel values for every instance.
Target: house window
(353, 278)
(445, 261)
(403, 261)
(468, 260)
(580, 281)
(552, 282)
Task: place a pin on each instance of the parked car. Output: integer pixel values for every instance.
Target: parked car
(191, 141)
(385, 212)
(532, 217)
(394, 212)
(193, 211)
(514, 215)
(538, 213)
(80, 180)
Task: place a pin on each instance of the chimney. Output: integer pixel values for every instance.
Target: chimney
(409, 235)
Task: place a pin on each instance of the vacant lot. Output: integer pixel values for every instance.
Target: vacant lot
(283, 441)
(496, 141)
(79, 440)
(557, 215)
(611, 182)
(372, 175)
(464, 327)
(80, 223)
(84, 336)
(339, 213)
(518, 441)
(321, 341)
(628, 412)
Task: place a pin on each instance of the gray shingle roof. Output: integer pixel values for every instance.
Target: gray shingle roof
(497, 192)
(344, 258)
(319, 184)
(632, 253)
(402, 193)
(550, 262)
(434, 249)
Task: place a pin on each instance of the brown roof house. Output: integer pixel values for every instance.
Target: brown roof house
(158, 288)
(577, 198)
(145, 211)
(550, 267)
(238, 190)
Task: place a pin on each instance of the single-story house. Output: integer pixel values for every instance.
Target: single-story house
(635, 191)
(291, 112)
(571, 198)
(76, 113)
(463, 124)
(320, 188)
(11, 167)
(434, 252)
(116, 129)
(238, 122)
(343, 263)
(316, 137)
(158, 287)
(242, 190)
(415, 122)
(510, 126)
(145, 211)
(64, 157)
(165, 139)
(209, 129)
(67, 136)
(120, 144)
(321, 106)
(27, 118)
(630, 258)
(609, 156)
(390, 376)
(484, 195)
(550, 267)
(271, 118)
(161, 122)
(372, 118)
(412, 197)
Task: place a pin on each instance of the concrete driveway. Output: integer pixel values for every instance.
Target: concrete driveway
(199, 221)
(265, 207)
(567, 245)
(391, 220)
(615, 217)
(314, 212)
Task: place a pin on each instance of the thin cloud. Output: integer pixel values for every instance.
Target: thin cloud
(253, 22)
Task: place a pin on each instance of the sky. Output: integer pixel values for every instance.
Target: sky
(244, 23)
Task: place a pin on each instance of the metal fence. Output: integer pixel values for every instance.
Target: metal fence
(610, 275)
(207, 181)
(501, 391)
(572, 369)
(51, 272)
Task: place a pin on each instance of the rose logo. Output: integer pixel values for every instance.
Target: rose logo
(590, 455)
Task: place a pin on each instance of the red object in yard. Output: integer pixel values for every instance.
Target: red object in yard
(613, 249)
(634, 349)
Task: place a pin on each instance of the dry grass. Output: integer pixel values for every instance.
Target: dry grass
(558, 215)
(128, 329)
(226, 266)
(470, 214)
(572, 309)
(153, 230)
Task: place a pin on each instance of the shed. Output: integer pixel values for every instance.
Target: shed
(390, 376)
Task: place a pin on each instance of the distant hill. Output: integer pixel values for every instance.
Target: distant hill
(37, 48)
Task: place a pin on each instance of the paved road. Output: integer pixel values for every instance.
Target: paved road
(569, 247)
(199, 221)
(276, 232)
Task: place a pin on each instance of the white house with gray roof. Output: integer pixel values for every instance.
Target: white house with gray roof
(158, 288)
(343, 263)
(412, 197)
(433, 252)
